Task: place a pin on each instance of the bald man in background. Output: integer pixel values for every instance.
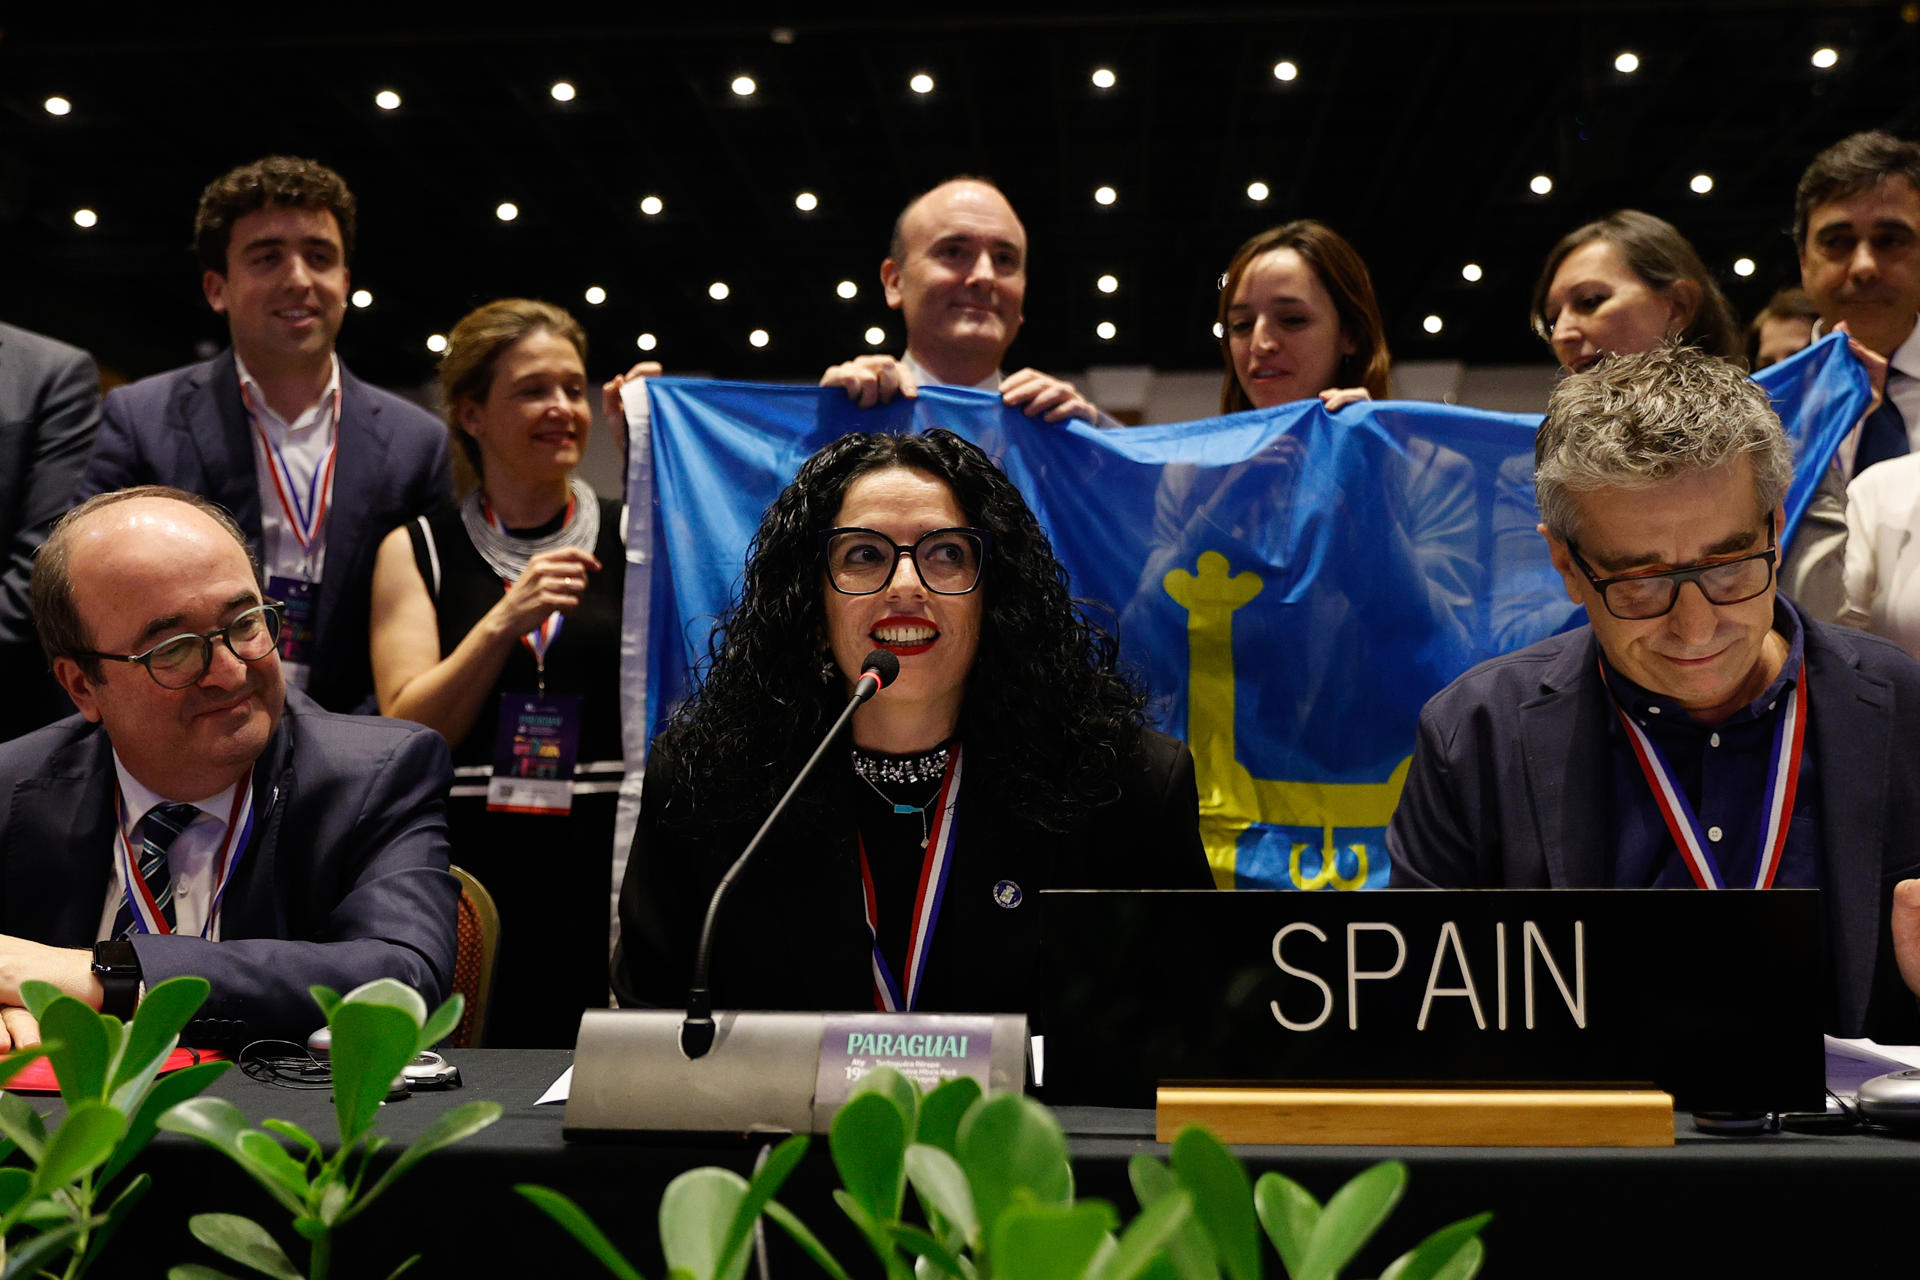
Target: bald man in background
(957, 273)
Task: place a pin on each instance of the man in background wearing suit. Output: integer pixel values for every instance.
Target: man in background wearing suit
(49, 412)
(1790, 744)
(198, 817)
(315, 465)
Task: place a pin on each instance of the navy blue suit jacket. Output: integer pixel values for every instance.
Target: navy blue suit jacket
(344, 881)
(188, 428)
(1510, 783)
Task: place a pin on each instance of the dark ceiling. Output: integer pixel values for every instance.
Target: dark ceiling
(1413, 129)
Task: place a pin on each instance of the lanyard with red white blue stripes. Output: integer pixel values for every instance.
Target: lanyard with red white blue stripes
(888, 996)
(147, 916)
(305, 506)
(541, 637)
(1783, 780)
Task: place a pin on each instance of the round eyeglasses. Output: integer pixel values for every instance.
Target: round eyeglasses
(862, 561)
(1638, 597)
(180, 661)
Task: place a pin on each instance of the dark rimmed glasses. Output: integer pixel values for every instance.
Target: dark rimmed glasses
(1638, 597)
(180, 661)
(862, 561)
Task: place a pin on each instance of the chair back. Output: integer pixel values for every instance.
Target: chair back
(479, 944)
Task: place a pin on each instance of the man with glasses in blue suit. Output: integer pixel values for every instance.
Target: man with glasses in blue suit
(1700, 730)
(197, 816)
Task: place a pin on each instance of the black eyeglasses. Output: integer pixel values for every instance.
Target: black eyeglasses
(1638, 597)
(180, 661)
(862, 561)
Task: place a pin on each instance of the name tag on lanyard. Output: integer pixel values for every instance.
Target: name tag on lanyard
(302, 601)
(534, 755)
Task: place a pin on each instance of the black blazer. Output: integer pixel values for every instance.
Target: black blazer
(189, 428)
(793, 932)
(1509, 783)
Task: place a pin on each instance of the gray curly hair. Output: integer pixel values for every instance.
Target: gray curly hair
(1636, 421)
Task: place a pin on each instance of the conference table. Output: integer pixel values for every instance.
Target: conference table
(1765, 1205)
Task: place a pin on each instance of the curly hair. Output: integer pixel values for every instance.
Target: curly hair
(282, 181)
(1048, 715)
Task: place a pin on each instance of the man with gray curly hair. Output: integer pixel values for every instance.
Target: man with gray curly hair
(1660, 479)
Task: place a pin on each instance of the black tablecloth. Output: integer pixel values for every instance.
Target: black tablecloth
(1764, 1205)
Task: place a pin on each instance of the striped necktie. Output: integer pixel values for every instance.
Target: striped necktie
(1884, 434)
(162, 825)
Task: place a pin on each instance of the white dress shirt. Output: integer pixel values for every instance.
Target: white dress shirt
(303, 443)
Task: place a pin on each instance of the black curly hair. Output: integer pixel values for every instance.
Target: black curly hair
(1048, 715)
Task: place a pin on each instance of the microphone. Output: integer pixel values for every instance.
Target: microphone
(877, 670)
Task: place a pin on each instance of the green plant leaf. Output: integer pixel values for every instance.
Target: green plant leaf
(336, 1201)
(37, 995)
(574, 1221)
(810, 1245)
(1351, 1217)
(167, 1091)
(157, 1023)
(78, 1048)
(371, 1043)
(695, 1212)
(463, 1121)
(26, 1259)
(80, 1145)
(1222, 1199)
(327, 998)
(872, 1230)
(921, 1244)
(1148, 1237)
(196, 1271)
(1454, 1252)
(941, 1184)
(295, 1134)
(443, 1021)
(942, 1110)
(265, 1157)
(116, 1215)
(21, 1123)
(1007, 1144)
(1190, 1252)
(393, 993)
(15, 1183)
(218, 1123)
(763, 1186)
(402, 1269)
(869, 1145)
(18, 1060)
(904, 1092)
(244, 1241)
(1048, 1242)
(1289, 1213)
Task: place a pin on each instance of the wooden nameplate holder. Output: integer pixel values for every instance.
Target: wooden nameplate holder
(1443, 1117)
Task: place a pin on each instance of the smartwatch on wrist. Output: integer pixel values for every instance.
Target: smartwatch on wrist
(117, 966)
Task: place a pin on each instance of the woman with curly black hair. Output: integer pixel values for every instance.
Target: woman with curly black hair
(1008, 756)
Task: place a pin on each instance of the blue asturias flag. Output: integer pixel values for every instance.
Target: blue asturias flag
(1291, 585)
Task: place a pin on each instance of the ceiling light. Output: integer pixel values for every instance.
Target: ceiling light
(386, 100)
(806, 202)
(1106, 330)
(1471, 273)
(1824, 58)
(1107, 284)
(436, 342)
(718, 291)
(1103, 78)
(595, 295)
(1257, 191)
(847, 289)
(646, 342)
(1217, 330)
(85, 218)
(57, 106)
(362, 298)
(1743, 266)
(1541, 184)
(561, 91)
(743, 86)
(1432, 324)
(651, 206)
(876, 335)
(921, 83)
(1105, 195)
(1701, 184)
(506, 211)
(1627, 63)
(1285, 71)
(758, 337)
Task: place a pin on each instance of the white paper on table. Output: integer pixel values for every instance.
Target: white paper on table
(557, 1091)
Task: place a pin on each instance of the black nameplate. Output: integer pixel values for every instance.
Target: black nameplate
(1715, 997)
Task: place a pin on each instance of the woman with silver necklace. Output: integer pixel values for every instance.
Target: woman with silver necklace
(496, 620)
(1009, 755)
